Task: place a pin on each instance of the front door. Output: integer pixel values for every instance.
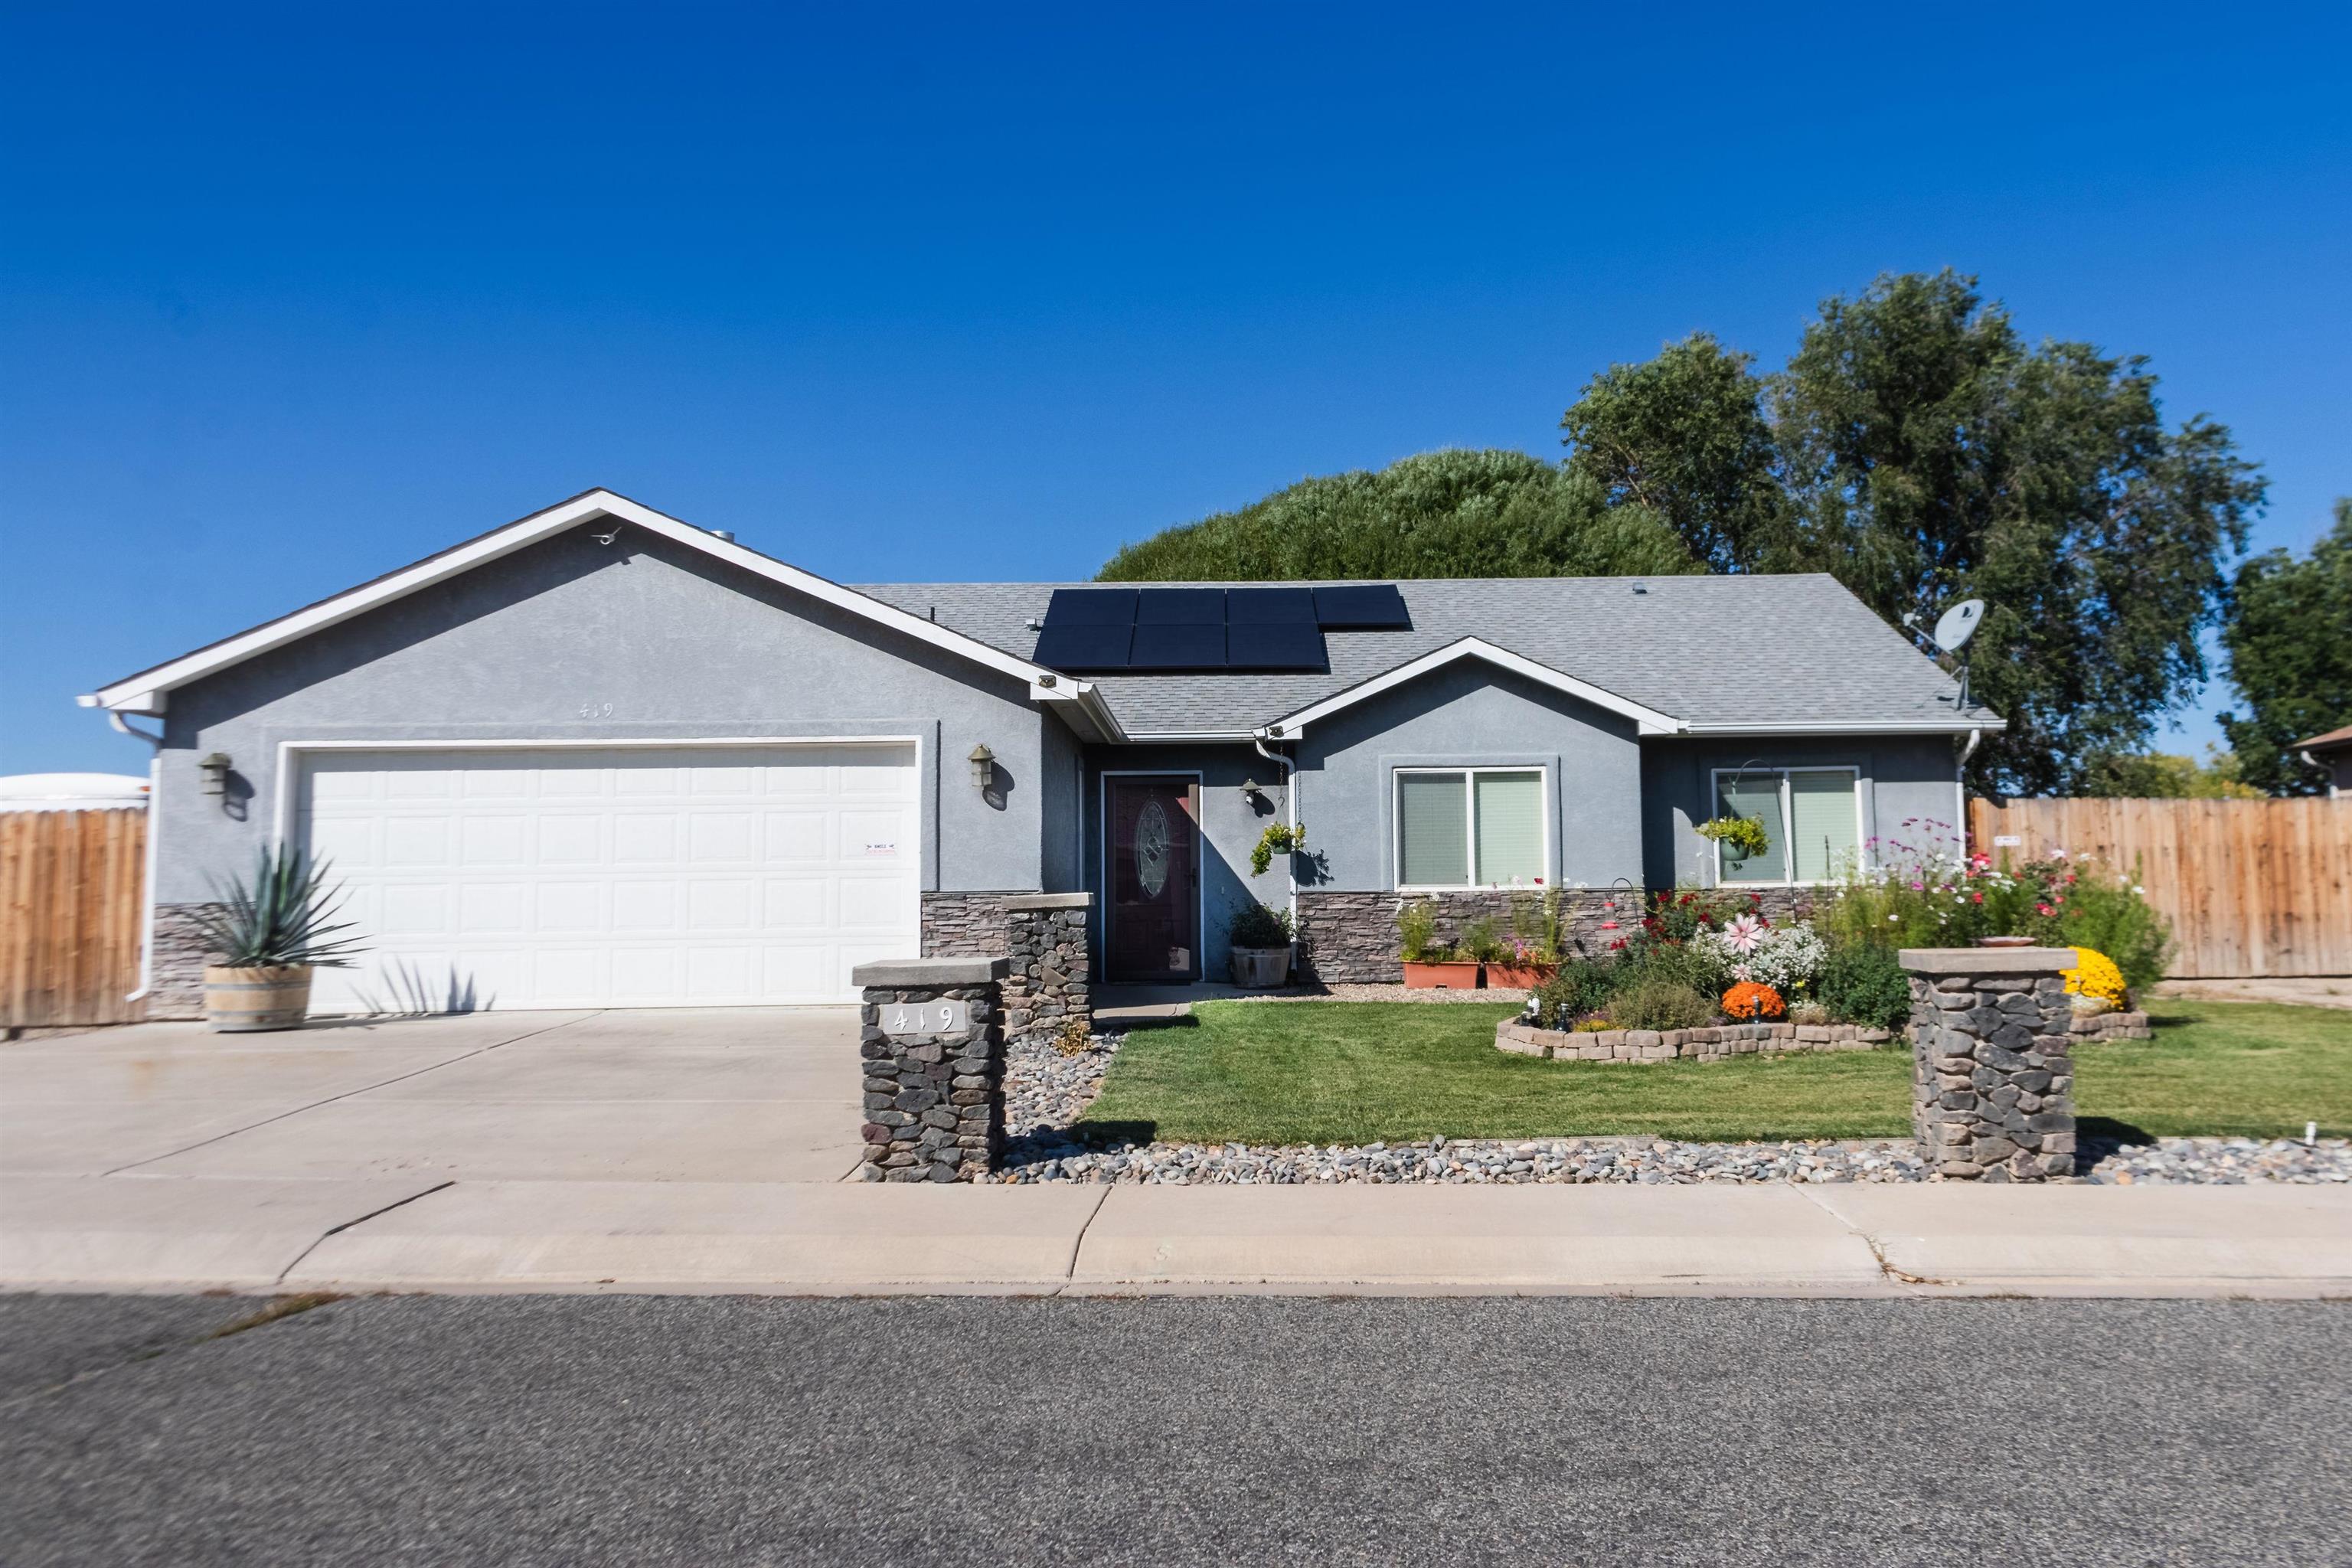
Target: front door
(1154, 906)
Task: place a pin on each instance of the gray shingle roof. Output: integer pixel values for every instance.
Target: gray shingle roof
(1761, 650)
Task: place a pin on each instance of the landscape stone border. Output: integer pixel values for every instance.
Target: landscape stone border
(935, 1100)
(2111, 1027)
(1992, 1063)
(1711, 1044)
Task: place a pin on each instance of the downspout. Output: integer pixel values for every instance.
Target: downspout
(154, 832)
(1960, 791)
(1290, 811)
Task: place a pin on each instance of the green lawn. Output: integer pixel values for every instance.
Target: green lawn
(1357, 1072)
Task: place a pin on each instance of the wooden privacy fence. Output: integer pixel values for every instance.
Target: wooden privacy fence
(72, 888)
(2252, 886)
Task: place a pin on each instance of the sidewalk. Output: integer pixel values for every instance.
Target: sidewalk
(179, 1233)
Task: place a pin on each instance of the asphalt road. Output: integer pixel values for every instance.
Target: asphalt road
(706, 1430)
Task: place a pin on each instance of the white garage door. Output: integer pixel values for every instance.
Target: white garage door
(629, 877)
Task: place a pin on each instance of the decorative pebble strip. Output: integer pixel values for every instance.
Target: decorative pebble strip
(1044, 1092)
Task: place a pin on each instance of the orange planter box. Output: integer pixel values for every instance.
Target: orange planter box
(1442, 976)
(1509, 977)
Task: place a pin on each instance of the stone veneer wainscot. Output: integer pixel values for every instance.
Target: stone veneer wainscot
(1351, 937)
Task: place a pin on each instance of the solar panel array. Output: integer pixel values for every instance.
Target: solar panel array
(1208, 628)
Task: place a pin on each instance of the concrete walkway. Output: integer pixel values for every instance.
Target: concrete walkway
(424, 1232)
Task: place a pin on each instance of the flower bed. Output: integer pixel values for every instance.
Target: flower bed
(1710, 1044)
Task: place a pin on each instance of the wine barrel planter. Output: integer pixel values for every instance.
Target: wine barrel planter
(244, 1001)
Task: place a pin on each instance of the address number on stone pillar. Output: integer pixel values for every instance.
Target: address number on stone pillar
(938, 1018)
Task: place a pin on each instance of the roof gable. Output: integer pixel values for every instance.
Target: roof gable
(149, 691)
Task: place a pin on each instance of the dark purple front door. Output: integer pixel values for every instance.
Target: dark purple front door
(1154, 908)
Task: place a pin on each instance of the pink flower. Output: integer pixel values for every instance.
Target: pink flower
(1744, 933)
(2045, 909)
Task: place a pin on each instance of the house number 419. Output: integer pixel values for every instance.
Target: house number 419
(941, 1017)
(595, 710)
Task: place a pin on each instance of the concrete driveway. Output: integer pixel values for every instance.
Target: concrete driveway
(756, 1095)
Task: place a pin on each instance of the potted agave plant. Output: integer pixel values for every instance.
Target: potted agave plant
(264, 937)
(1260, 938)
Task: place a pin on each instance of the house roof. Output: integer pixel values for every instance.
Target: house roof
(1746, 655)
(2335, 740)
(1736, 655)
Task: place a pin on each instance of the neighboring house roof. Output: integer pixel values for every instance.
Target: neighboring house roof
(1725, 655)
(2334, 741)
(148, 691)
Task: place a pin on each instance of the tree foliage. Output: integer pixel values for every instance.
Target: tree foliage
(2161, 775)
(2288, 640)
(1917, 450)
(1451, 513)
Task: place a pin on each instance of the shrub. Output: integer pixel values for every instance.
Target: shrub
(1581, 988)
(1683, 913)
(1073, 1038)
(1747, 1000)
(2096, 975)
(1480, 944)
(1863, 984)
(1259, 925)
(1698, 965)
(1786, 957)
(1417, 930)
(2111, 916)
(1653, 1004)
(1809, 1013)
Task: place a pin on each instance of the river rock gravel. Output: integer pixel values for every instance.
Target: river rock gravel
(1046, 1092)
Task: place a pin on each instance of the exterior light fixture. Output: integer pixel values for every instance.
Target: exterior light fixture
(983, 767)
(1249, 789)
(214, 766)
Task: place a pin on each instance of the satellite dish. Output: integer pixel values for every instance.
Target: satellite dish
(1958, 623)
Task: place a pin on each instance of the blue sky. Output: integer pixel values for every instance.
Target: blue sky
(287, 298)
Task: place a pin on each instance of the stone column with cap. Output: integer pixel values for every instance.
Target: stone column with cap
(931, 1041)
(1992, 1067)
(1051, 981)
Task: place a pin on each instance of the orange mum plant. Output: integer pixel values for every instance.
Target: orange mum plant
(1750, 1000)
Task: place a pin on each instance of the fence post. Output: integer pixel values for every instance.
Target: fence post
(931, 1040)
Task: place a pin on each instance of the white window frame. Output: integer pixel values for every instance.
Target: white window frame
(1782, 771)
(1470, 821)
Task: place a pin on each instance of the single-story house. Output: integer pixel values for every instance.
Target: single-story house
(602, 757)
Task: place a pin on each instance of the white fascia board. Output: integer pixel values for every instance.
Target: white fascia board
(144, 692)
(1650, 722)
(1870, 727)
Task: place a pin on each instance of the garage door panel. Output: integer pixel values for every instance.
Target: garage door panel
(569, 839)
(620, 876)
(724, 838)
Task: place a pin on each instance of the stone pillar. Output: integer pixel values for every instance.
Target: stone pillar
(1992, 1076)
(931, 1036)
(1051, 979)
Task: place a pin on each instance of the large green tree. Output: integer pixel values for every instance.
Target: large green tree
(2288, 639)
(1920, 451)
(1451, 514)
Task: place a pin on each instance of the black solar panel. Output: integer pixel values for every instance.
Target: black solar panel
(1364, 607)
(1091, 607)
(1180, 607)
(1083, 646)
(1269, 607)
(1275, 648)
(1164, 647)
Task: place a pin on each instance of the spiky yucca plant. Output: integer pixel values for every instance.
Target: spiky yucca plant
(283, 916)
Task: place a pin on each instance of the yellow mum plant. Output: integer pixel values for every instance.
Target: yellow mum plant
(2096, 975)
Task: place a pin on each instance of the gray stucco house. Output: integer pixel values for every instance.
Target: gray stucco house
(602, 757)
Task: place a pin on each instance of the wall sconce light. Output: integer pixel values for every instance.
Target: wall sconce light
(1249, 789)
(214, 766)
(983, 767)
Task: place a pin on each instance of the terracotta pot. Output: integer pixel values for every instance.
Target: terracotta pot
(247, 1001)
(1259, 967)
(1442, 976)
(1510, 977)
